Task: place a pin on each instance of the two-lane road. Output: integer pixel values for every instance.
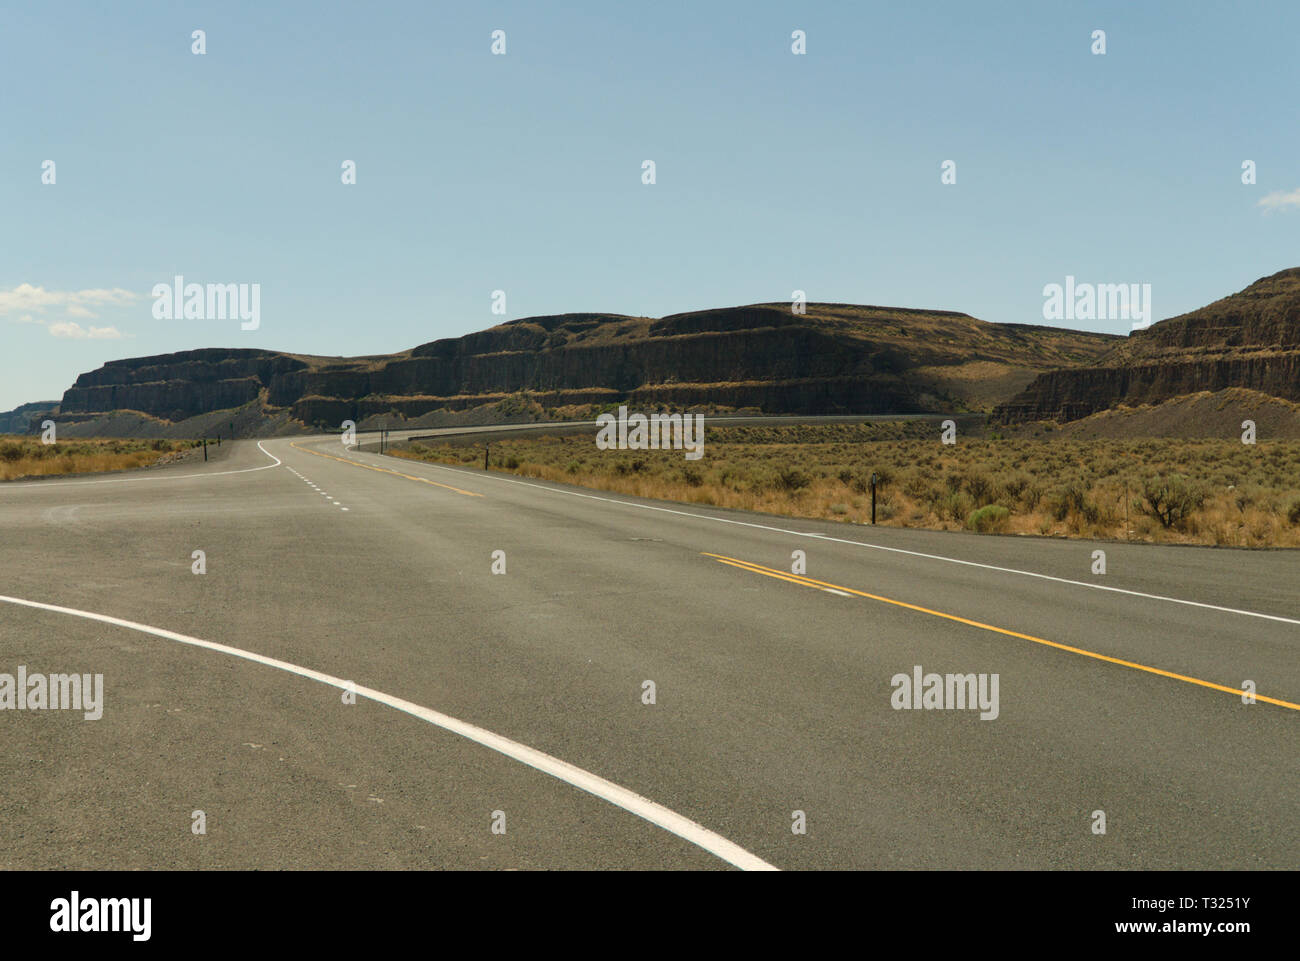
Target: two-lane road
(772, 691)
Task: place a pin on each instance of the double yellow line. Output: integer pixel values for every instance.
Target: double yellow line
(383, 470)
(836, 588)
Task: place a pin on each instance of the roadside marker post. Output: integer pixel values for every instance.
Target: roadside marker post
(873, 498)
(486, 448)
(205, 450)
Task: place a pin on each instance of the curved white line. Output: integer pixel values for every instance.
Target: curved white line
(620, 797)
(53, 484)
(875, 547)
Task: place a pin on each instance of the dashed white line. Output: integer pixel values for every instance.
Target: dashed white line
(876, 547)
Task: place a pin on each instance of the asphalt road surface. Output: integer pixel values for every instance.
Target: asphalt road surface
(500, 719)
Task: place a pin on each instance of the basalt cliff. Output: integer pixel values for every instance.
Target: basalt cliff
(1248, 341)
(833, 359)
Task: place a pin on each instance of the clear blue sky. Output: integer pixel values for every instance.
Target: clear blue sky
(522, 172)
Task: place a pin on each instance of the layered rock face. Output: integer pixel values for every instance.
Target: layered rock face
(1249, 340)
(176, 386)
(836, 358)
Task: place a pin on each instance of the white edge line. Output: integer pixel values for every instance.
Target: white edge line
(620, 797)
(53, 484)
(875, 547)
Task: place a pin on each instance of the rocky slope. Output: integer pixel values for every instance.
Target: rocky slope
(836, 358)
(1250, 340)
(1203, 414)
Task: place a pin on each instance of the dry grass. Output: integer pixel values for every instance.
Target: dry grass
(1221, 492)
(22, 456)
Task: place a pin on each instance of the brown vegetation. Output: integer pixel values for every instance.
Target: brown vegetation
(29, 457)
(1170, 491)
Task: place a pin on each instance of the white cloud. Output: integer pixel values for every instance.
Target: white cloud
(26, 297)
(28, 304)
(1280, 200)
(74, 331)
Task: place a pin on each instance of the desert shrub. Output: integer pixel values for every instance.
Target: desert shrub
(1293, 513)
(956, 506)
(763, 478)
(11, 452)
(917, 486)
(1072, 498)
(1170, 499)
(735, 478)
(1058, 505)
(792, 479)
(1016, 484)
(1244, 497)
(980, 487)
(991, 517)
(1031, 495)
(693, 475)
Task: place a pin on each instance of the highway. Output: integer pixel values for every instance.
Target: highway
(517, 700)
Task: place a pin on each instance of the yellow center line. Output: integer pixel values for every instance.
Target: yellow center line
(383, 470)
(822, 585)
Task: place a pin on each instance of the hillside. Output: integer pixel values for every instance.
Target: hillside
(1205, 414)
(836, 358)
(24, 417)
(1249, 340)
